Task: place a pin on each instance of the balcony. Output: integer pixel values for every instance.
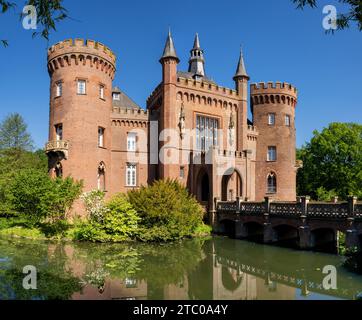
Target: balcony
(59, 147)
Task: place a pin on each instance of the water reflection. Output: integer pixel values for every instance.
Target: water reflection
(219, 268)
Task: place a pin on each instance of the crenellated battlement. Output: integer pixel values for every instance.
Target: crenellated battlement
(207, 87)
(273, 93)
(141, 113)
(135, 118)
(81, 52)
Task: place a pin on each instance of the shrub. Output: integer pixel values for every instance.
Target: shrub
(167, 211)
(119, 223)
(94, 204)
(36, 196)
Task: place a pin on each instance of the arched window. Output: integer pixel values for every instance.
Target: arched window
(101, 177)
(272, 183)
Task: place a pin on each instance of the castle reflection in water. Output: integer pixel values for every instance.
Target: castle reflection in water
(213, 269)
(254, 273)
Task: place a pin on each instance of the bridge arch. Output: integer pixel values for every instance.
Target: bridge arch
(231, 279)
(254, 231)
(286, 235)
(227, 227)
(324, 239)
(231, 184)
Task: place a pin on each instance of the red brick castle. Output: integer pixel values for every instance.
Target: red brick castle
(193, 129)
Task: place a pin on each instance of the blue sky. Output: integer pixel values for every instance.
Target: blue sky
(280, 43)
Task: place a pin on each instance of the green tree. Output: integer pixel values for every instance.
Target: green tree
(14, 134)
(11, 163)
(49, 13)
(332, 162)
(343, 19)
(38, 197)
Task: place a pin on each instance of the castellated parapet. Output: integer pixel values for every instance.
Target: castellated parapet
(278, 92)
(81, 52)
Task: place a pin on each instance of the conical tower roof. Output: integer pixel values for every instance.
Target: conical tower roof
(169, 51)
(241, 70)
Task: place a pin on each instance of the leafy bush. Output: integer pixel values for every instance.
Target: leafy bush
(94, 204)
(11, 162)
(167, 211)
(36, 196)
(119, 223)
(324, 195)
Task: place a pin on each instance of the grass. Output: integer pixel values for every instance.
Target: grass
(61, 230)
(20, 227)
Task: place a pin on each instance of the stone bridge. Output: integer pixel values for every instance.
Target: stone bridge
(302, 224)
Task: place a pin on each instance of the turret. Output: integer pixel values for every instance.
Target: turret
(196, 62)
(273, 108)
(169, 61)
(241, 79)
(81, 74)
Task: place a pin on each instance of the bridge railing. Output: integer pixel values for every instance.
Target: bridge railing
(299, 208)
(227, 206)
(330, 210)
(293, 209)
(252, 208)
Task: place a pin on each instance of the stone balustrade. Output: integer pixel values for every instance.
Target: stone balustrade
(293, 209)
(57, 146)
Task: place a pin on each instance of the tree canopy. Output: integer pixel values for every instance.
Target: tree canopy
(49, 13)
(14, 134)
(332, 162)
(343, 19)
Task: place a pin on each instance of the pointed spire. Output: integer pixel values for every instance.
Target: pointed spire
(196, 42)
(169, 51)
(196, 62)
(241, 70)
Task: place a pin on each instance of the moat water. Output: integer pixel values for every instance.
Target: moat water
(217, 268)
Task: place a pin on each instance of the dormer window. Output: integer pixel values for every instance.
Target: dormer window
(116, 96)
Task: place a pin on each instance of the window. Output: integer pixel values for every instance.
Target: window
(101, 91)
(81, 86)
(272, 183)
(287, 120)
(271, 119)
(206, 132)
(131, 175)
(131, 141)
(59, 89)
(182, 172)
(272, 154)
(116, 96)
(100, 137)
(59, 132)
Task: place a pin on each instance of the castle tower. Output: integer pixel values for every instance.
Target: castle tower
(81, 74)
(197, 62)
(241, 79)
(168, 168)
(273, 108)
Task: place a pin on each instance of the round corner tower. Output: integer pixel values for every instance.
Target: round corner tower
(81, 74)
(273, 108)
